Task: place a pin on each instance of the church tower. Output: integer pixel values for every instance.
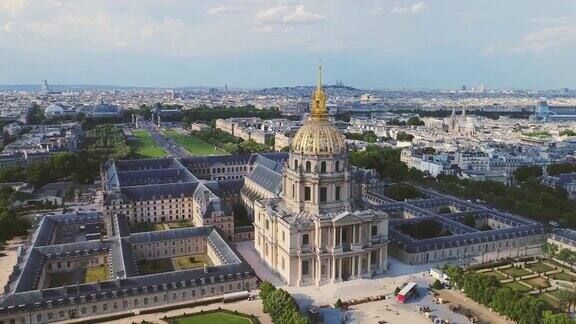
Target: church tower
(316, 179)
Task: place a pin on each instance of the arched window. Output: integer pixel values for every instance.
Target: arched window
(295, 164)
(308, 166)
(323, 167)
(337, 166)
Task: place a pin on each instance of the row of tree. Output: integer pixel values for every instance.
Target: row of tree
(368, 136)
(207, 114)
(280, 305)
(229, 143)
(553, 250)
(487, 290)
(11, 221)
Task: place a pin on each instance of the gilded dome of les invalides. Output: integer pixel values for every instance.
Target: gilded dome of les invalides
(318, 136)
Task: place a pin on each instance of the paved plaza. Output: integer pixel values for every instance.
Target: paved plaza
(384, 310)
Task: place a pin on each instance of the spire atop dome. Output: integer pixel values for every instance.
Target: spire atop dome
(319, 87)
(318, 110)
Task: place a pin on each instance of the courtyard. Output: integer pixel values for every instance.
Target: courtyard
(78, 276)
(185, 262)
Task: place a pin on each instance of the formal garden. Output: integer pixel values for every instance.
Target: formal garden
(527, 290)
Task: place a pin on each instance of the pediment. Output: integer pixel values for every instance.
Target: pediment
(347, 217)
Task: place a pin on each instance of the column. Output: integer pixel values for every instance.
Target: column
(299, 281)
(341, 229)
(353, 234)
(353, 259)
(369, 262)
(333, 269)
(340, 268)
(360, 234)
(334, 231)
(318, 271)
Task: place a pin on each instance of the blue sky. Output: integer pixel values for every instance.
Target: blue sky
(263, 43)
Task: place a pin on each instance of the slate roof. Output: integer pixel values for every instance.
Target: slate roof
(149, 192)
(267, 178)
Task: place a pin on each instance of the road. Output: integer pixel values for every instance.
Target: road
(174, 149)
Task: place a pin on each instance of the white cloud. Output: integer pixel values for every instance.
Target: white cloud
(271, 14)
(12, 6)
(283, 14)
(300, 15)
(413, 9)
(549, 38)
(224, 10)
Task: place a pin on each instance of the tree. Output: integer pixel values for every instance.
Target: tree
(549, 249)
(265, 289)
(523, 173)
(470, 221)
(404, 137)
(562, 318)
(36, 116)
(559, 168)
(414, 121)
(437, 285)
(396, 291)
(501, 302)
(338, 303)
(402, 192)
(370, 137)
(424, 229)
(567, 132)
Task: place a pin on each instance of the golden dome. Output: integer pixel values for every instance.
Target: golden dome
(318, 136)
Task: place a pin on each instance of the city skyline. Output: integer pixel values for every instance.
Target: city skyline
(255, 44)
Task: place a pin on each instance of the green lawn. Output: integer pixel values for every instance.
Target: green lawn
(515, 272)
(192, 144)
(563, 276)
(518, 286)
(145, 146)
(60, 279)
(498, 275)
(155, 266)
(95, 274)
(180, 224)
(193, 261)
(214, 318)
(540, 267)
(538, 282)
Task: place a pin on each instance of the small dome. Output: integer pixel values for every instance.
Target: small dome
(53, 110)
(318, 137)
